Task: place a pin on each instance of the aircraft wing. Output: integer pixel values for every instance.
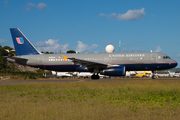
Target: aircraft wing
(87, 63)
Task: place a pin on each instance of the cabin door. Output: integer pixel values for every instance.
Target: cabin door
(153, 58)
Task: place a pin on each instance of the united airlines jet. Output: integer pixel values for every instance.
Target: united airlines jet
(111, 64)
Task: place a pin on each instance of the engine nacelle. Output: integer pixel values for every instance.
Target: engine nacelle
(114, 71)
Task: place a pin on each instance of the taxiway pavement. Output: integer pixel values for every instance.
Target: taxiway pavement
(81, 80)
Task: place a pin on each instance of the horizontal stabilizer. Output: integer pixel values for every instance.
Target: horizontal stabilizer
(15, 58)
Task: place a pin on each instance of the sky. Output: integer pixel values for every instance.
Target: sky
(88, 26)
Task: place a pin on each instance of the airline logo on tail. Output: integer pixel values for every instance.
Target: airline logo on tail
(19, 40)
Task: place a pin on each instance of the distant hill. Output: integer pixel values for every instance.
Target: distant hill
(175, 69)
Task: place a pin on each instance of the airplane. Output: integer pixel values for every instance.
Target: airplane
(82, 74)
(176, 75)
(86, 74)
(110, 64)
(61, 74)
(140, 74)
(130, 74)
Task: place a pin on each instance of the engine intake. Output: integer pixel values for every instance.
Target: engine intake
(114, 71)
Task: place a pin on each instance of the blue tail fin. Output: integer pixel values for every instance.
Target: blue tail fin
(22, 45)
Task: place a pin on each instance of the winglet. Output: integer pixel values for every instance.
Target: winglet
(64, 57)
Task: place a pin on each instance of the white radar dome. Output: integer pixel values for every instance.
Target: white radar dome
(110, 48)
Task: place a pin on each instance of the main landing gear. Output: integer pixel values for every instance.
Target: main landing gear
(95, 76)
(153, 75)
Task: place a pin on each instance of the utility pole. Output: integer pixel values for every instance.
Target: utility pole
(119, 46)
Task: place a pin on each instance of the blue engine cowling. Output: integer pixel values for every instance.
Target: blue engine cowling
(114, 71)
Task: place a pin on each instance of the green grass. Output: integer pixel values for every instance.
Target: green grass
(144, 100)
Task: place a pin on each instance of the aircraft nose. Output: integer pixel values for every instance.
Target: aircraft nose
(175, 63)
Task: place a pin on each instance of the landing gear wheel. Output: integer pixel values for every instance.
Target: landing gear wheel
(95, 77)
(153, 77)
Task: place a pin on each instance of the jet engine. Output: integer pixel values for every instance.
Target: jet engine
(114, 71)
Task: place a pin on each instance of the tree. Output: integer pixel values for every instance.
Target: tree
(10, 51)
(51, 52)
(70, 51)
(48, 52)
(7, 47)
(3, 63)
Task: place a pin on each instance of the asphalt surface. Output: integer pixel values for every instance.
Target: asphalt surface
(81, 80)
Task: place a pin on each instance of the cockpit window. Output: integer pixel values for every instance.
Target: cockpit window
(166, 57)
